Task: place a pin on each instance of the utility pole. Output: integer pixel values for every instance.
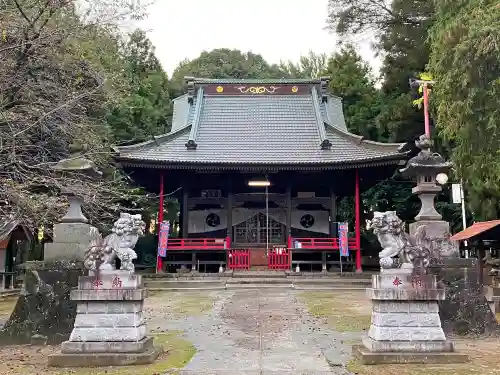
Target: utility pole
(464, 219)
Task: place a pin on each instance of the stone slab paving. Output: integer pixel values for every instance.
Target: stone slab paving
(263, 332)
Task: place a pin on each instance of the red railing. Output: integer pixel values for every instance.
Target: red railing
(198, 243)
(238, 259)
(319, 243)
(279, 258)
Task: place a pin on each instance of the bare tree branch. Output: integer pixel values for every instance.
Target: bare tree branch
(54, 90)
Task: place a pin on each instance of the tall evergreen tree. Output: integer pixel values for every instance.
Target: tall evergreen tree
(144, 109)
(465, 62)
(312, 65)
(224, 63)
(351, 79)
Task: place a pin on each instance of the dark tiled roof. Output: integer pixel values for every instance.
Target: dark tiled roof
(268, 129)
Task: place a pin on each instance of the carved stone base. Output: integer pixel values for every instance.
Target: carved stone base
(405, 325)
(104, 359)
(109, 328)
(367, 357)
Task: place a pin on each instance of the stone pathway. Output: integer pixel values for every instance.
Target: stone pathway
(250, 332)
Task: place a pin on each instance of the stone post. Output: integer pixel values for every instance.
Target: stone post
(109, 327)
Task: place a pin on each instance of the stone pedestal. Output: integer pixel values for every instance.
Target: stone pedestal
(71, 240)
(405, 326)
(492, 294)
(109, 327)
(438, 232)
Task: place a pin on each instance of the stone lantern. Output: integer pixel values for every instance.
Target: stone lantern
(429, 169)
(75, 165)
(73, 234)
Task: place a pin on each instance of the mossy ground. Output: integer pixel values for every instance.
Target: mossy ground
(350, 312)
(6, 306)
(178, 304)
(344, 312)
(25, 359)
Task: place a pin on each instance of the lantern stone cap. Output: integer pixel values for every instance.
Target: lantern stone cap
(78, 164)
(426, 162)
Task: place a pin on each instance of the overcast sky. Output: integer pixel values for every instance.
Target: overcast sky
(277, 29)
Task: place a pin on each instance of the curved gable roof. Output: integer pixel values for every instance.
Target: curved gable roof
(297, 126)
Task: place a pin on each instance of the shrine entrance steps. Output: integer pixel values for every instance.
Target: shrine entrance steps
(256, 280)
(9, 293)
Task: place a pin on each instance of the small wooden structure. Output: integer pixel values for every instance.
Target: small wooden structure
(13, 236)
(484, 237)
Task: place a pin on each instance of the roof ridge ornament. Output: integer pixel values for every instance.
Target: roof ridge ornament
(190, 89)
(191, 145)
(324, 88)
(326, 145)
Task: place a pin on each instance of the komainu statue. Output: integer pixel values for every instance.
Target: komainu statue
(412, 252)
(102, 253)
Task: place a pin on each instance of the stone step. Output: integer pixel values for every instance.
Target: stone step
(6, 293)
(180, 284)
(259, 286)
(183, 277)
(331, 288)
(327, 282)
(259, 274)
(332, 281)
(257, 280)
(329, 276)
(180, 289)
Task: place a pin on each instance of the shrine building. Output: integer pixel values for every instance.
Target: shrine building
(258, 167)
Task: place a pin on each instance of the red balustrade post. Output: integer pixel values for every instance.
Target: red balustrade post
(357, 223)
(289, 242)
(159, 260)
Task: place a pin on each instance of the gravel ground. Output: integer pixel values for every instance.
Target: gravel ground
(256, 332)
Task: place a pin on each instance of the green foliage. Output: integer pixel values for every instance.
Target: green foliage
(405, 49)
(350, 78)
(465, 62)
(312, 65)
(223, 63)
(144, 108)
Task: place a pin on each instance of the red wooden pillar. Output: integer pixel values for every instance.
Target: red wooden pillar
(357, 224)
(159, 261)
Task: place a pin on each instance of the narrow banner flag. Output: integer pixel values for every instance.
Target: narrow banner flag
(343, 239)
(163, 238)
